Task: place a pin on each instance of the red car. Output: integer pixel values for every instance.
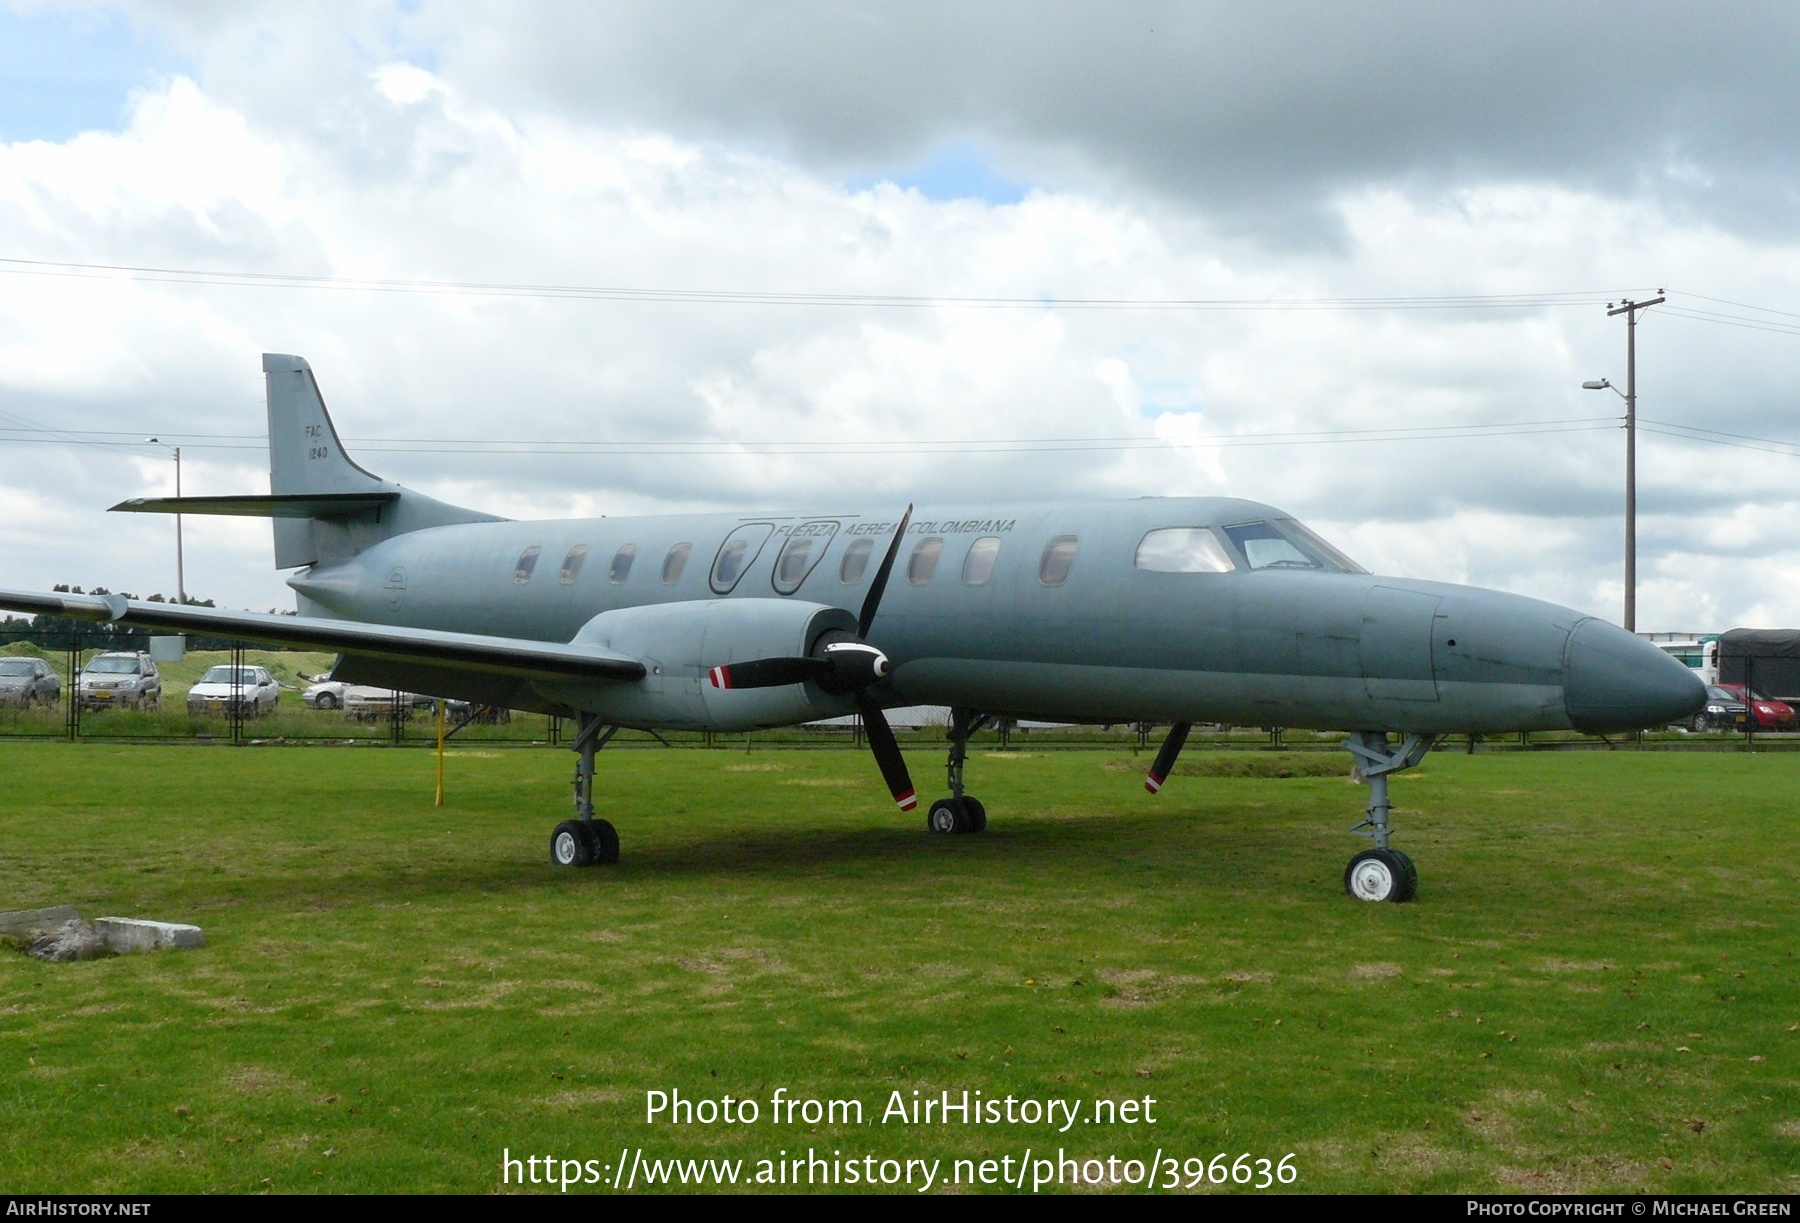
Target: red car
(1769, 715)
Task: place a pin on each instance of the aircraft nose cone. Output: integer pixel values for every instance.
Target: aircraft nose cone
(1615, 680)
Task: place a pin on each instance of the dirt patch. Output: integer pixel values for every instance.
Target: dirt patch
(834, 782)
(1375, 972)
(759, 768)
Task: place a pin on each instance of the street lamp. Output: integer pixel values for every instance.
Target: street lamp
(180, 574)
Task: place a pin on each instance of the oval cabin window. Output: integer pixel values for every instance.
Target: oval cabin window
(1058, 559)
(527, 562)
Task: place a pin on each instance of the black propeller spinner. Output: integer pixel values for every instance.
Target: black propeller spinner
(842, 664)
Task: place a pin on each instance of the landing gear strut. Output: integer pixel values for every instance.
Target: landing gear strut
(961, 812)
(1381, 873)
(584, 840)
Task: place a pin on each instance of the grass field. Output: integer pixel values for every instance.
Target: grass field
(1596, 990)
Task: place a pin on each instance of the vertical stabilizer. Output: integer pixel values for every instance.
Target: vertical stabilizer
(305, 456)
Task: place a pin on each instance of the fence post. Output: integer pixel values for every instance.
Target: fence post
(74, 691)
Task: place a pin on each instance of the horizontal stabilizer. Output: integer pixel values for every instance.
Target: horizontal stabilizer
(282, 505)
(470, 651)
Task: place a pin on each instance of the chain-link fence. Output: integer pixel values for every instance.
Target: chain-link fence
(93, 683)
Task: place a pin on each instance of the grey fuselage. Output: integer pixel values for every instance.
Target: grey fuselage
(1111, 643)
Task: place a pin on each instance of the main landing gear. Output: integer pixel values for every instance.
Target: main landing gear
(960, 813)
(584, 840)
(1381, 873)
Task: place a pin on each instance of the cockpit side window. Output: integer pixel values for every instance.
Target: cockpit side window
(1183, 550)
(1305, 535)
(1268, 548)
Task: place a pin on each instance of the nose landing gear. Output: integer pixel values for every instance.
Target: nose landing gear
(1382, 873)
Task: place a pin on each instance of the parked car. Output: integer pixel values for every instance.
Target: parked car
(1770, 714)
(27, 682)
(366, 704)
(325, 694)
(255, 692)
(114, 679)
(485, 715)
(1722, 710)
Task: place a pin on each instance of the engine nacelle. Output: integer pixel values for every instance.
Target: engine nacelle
(678, 643)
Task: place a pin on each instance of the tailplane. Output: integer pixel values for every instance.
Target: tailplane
(325, 507)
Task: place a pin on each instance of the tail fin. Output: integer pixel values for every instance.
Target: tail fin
(307, 458)
(305, 455)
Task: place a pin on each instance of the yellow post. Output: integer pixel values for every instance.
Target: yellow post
(440, 712)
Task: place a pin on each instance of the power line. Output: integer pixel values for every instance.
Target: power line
(760, 297)
(427, 446)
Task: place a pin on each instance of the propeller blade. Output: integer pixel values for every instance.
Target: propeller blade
(1165, 759)
(768, 672)
(872, 600)
(887, 754)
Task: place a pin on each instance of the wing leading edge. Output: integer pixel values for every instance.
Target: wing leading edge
(469, 651)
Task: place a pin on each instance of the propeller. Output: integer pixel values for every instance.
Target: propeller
(846, 665)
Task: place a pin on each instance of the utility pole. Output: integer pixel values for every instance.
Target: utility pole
(180, 563)
(1630, 310)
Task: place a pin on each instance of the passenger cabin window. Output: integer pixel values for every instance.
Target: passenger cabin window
(1058, 559)
(923, 561)
(527, 562)
(1183, 550)
(805, 547)
(978, 565)
(621, 565)
(855, 562)
(675, 562)
(1284, 544)
(737, 554)
(571, 566)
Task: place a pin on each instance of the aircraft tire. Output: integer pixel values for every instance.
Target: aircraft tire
(945, 817)
(572, 844)
(976, 813)
(1382, 876)
(606, 843)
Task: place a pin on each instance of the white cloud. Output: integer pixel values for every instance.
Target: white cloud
(413, 177)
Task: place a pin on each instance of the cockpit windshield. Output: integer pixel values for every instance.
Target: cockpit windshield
(1285, 544)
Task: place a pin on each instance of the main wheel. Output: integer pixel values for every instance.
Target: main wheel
(572, 844)
(977, 814)
(1379, 875)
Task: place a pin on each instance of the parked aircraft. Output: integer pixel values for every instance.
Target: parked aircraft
(1169, 610)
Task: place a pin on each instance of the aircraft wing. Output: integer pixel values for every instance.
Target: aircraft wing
(514, 656)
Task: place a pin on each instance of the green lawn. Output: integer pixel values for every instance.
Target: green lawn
(1595, 991)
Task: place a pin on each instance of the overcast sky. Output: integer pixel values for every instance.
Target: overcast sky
(1288, 163)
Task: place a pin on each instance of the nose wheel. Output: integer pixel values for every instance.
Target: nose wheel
(1382, 874)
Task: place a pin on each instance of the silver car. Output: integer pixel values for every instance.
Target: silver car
(111, 680)
(28, 682)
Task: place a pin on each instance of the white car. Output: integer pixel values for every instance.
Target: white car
(255, 692)
(326, 694)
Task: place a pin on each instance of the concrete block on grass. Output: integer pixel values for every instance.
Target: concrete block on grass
(125, 934)
(22, 923)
